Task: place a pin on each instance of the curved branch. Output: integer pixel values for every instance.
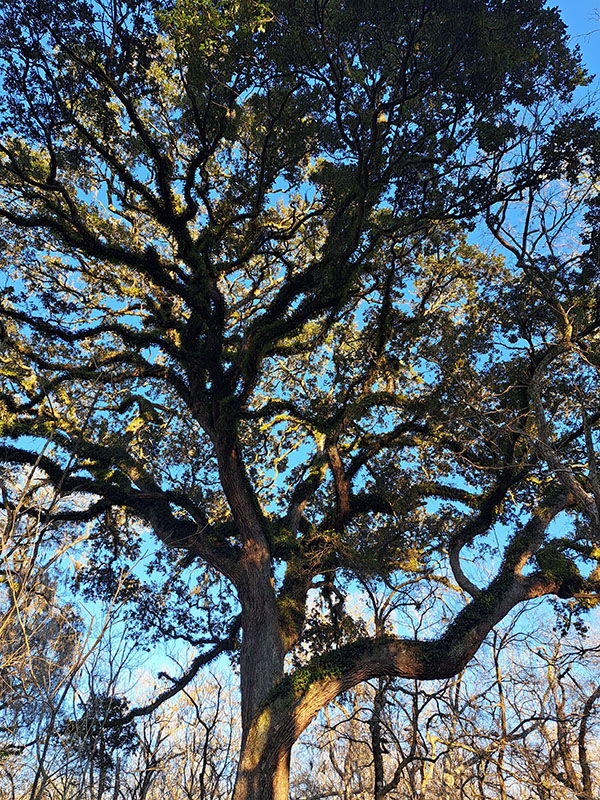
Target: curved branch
(298, 698)
(477, 526)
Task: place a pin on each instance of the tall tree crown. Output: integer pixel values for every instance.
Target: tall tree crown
(245, 310)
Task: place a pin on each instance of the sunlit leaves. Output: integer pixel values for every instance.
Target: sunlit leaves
(246, 303)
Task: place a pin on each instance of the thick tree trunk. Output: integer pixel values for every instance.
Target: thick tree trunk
(264, 767)
(263, 772)
(262, 652)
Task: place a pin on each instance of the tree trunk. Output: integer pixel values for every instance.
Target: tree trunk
(376, 744)
(262, 773)
(262, 652)
(264, 767)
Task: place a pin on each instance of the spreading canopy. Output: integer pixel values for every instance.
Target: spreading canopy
(243, 310)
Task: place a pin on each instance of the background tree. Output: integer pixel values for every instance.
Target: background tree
(42, 636)
(243, 311)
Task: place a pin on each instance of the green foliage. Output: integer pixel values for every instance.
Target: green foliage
(247, 314)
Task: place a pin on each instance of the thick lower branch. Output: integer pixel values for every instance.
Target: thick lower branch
(297, 699)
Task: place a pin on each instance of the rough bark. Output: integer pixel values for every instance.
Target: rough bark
(376, 745)
(262, 651)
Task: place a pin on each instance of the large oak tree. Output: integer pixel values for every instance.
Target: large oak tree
(242, 311)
